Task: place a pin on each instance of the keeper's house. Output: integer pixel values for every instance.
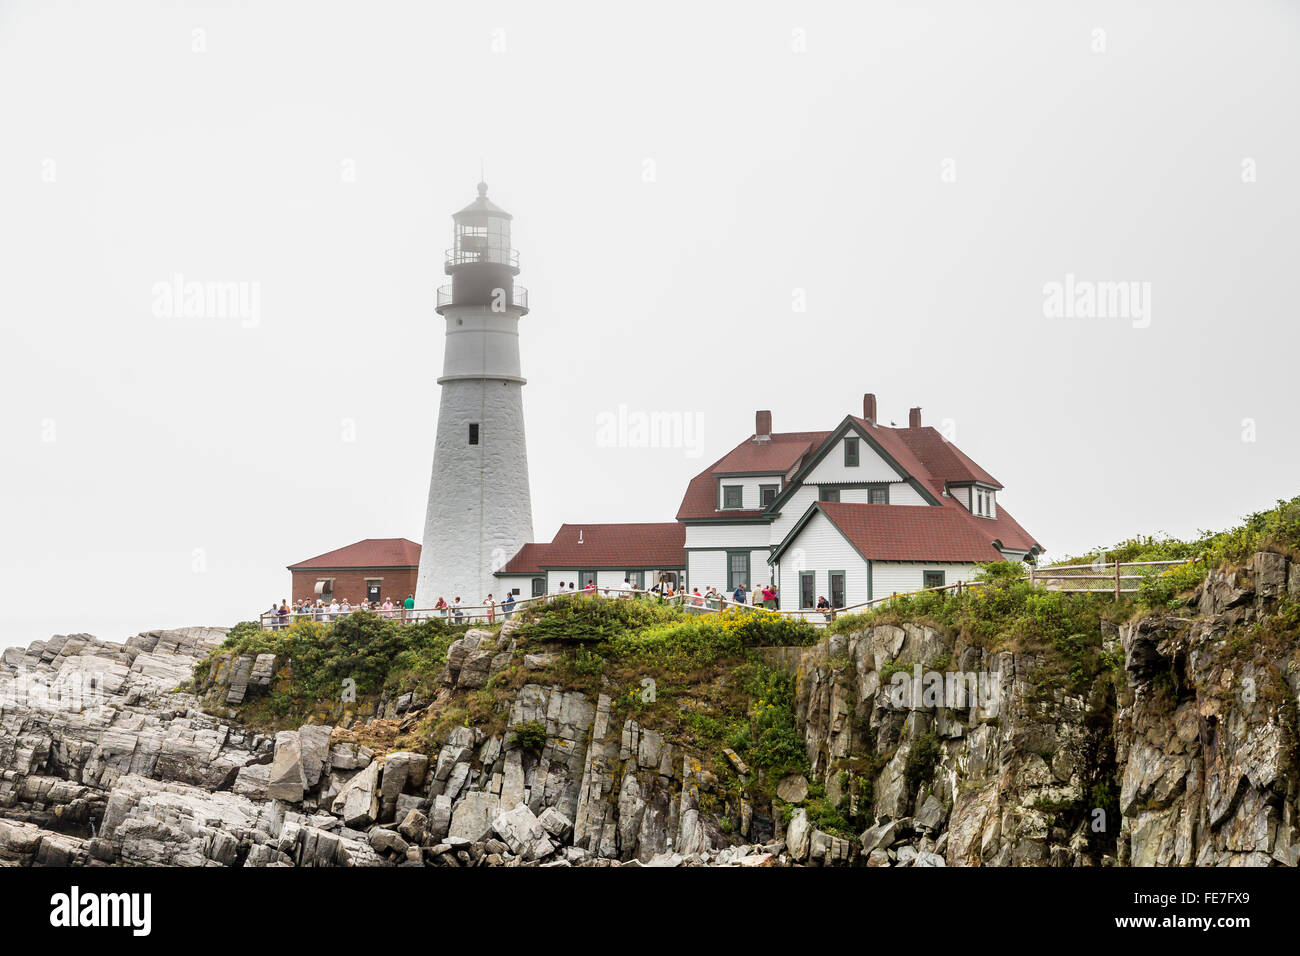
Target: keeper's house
(855, 513)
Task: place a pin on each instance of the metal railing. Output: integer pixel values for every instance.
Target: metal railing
(498, 613)
(501, 257)
(517, 297)
(820, 617)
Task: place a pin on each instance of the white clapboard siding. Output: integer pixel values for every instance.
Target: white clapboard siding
(706, 568)
(507, 582)
(750, 484)
(891, 577)
(821, 548)
(791, 512)
(734, 536)
(870, 467)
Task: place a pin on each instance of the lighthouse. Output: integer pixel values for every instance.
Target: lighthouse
(479, 512)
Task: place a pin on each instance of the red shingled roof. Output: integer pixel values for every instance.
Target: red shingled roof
(922, 452)
(925, 533)
(370, 553)
(778, 456)
(527, 561)
(944, 460)
(656, 545)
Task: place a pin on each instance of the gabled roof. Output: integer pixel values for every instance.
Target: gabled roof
(922, 454)
(918, 532)
(370, 553)
(778, 455)
(942, 459)
(645, 545)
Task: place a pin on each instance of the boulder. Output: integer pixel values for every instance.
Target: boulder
(555, 823)
(387, 841)
(797, 836)
(314, 752)
(440, 817)
(414, 826)
(793, 789)
(931, 816)
(881, 836)
(471, 819)
(286, 780)
(401, 769)
(523, 833)
(358, 801)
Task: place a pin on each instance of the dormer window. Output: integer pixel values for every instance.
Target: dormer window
(767, 494)
(878, 495)
(732, 497)
(850, 453)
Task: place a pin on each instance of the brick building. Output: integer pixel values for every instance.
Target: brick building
(370, 570)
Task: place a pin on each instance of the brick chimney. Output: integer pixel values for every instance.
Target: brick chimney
(869, 407)
(762, 425)
(914, 418)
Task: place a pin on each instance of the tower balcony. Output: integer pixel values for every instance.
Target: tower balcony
(467, 253)
(516, 297)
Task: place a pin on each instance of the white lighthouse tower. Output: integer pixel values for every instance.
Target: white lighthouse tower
(480, 512)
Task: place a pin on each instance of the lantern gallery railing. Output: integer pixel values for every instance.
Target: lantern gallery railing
(466, 254)
(517, 297)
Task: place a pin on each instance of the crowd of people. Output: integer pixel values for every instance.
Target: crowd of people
(325, 612)
(456, 612)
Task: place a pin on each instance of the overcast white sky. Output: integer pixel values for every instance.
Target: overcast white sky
(678, 172)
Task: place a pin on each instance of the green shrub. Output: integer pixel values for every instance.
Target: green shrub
(922, 760)
(591, 618)
(677, 647)
(530, 736)
(362, 646)
(757, 627)
(771, 739)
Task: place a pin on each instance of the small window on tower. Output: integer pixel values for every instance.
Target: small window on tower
(473, 433)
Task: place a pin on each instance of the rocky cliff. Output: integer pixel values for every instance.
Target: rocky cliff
(1169, 739)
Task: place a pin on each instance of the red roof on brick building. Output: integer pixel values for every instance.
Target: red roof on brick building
(370, 553)
(652, 545)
